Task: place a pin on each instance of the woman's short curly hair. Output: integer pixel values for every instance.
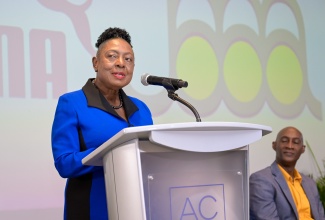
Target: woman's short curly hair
(112, 33)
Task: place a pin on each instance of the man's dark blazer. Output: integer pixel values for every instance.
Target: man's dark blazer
(270, 196)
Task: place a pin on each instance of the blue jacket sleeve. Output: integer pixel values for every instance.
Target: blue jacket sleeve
(65, 142)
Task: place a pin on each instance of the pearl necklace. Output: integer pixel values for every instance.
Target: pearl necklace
(119, 94)
(121, 102)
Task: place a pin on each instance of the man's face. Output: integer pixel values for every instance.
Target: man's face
(288, 146)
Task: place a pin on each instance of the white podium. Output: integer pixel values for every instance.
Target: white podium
(197, 170)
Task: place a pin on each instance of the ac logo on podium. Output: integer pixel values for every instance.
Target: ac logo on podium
(199, 202)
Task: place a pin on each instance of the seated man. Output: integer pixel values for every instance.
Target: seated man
(280, 191)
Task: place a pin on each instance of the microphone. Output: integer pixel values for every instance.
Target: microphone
(147, 79)
(171, 85)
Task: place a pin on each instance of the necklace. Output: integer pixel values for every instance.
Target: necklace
(119, 94)
(121, 103)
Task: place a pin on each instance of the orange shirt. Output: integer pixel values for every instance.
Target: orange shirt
(298, 194)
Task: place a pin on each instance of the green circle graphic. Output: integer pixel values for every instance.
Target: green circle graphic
(284, 75)
(242, 72)
(197, 64)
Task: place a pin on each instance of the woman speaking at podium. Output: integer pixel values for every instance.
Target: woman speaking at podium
(86, 118)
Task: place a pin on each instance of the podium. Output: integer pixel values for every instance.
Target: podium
(196, 170)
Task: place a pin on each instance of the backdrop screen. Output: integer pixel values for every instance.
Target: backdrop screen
(258, 62)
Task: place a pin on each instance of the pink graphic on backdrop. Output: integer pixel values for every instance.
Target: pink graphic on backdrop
(78, 18)
(56, 56)
(15, 53)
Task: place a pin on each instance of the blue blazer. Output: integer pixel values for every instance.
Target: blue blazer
(83, 121)
(270, 196)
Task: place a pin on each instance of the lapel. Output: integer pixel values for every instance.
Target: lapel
(309, 194)
(283, 186)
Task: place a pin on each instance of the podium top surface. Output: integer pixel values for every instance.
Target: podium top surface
(191, 136)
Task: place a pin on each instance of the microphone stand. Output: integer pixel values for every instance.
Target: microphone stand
(172, 95)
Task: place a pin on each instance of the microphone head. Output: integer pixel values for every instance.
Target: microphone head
(144, 79)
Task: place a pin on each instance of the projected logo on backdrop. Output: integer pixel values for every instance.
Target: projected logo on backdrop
(47, 54)
(242, 53)
(245, 59)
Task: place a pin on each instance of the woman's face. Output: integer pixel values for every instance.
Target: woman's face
(114, 64)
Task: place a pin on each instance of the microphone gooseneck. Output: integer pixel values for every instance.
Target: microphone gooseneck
(171, 85)
(172, 95)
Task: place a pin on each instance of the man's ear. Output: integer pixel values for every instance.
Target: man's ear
(274, 145)
(303, 148)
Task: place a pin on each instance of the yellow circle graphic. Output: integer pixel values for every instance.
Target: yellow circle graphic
(242, 72)
(197, 64)
(284, 75)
